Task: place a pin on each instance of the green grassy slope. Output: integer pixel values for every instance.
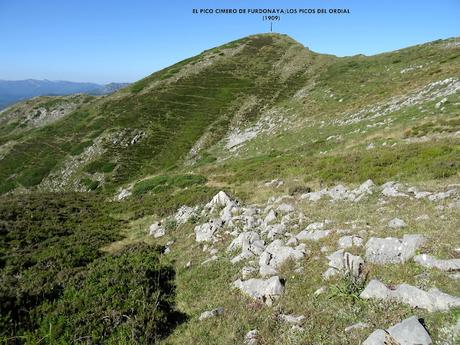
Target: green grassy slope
(169, 139)
(169, 111)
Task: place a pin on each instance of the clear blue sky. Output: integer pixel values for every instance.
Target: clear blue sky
(114, 40)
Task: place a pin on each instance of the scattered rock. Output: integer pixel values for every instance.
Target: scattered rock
(250, 244)
(221, 200)
(432, 300)
(339, 193)
(266, 290)
(285, 208)
(275, 230)
(442, 265)
(393, 250)
(408, 332)
(313, 235)
(391, 189)
(356, 326)
(211, 313)
(251, 338)
(397, 223)
(341, 261)
(276, 254)
(156, 230)
(350, 241)
(441, 195)
(205, 232)
(292, 319)
(271, 217)
(183, 214)
(123, 194)
(274, 183)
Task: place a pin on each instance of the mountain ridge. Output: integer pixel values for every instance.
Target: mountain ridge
(13, 91)
(268, 193)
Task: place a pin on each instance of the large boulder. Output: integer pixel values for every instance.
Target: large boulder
(393, 250)
(275, 255)
(408, 332)
(431, 300)
(264, 289)
(443, 265)
(250, 245)
(341, 261)
(157, 230)
(205, 232)
(220, 200)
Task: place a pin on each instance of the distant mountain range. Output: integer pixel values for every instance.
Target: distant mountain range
(12, 91)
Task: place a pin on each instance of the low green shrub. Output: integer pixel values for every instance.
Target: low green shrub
(126, 298)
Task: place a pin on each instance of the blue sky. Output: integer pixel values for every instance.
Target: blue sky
(113, 40)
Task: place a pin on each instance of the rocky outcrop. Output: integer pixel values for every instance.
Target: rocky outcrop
(408, 332)
(431, 300)
(276, 254)
(429, 261)
(393, 250)
(266, 290)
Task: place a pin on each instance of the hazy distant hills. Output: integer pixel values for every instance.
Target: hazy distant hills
(12, 91)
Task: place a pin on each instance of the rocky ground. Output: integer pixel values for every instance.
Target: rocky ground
(273, 243)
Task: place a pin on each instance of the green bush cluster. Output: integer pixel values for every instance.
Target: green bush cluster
(127, 298)
(57, 287)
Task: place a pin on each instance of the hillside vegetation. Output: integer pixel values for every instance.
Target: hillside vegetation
(110, 233)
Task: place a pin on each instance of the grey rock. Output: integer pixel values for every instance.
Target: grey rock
(350, 241)
(271, 217)
(442, 265)
(409, 332)
(393, 250)
(431, 300)
(221, 199)
(378, 337)
(265, 289)
(442, 195)
(275, 230)
(275, 255)
(397, 223)
(312, 235)
(391, 189)
(211, 313)
(205, 232)
(318, 225)
(341, 261)
(156, 230)
(183, 214)
(251, 338)
(356, 326)
(292, 319)
(285, 208)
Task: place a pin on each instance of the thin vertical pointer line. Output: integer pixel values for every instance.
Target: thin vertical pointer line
(271, 26)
